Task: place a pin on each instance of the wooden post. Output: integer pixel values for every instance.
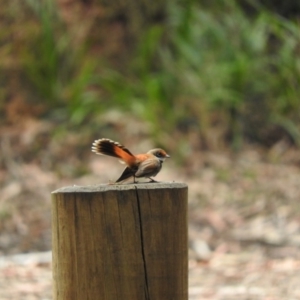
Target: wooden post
(116, 242)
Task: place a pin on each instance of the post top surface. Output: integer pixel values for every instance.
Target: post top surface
(120, 187)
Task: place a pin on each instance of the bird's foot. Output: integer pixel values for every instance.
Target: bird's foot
(152, 180)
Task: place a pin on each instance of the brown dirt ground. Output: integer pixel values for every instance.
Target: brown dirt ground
(244, 224)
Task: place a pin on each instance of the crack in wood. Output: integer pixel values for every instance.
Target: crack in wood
(147, 296)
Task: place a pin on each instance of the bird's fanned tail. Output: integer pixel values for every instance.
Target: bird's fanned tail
(111, 148)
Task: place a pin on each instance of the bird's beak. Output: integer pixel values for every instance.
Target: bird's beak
(168, 156)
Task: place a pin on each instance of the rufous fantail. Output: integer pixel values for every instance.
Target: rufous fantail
(140, 165)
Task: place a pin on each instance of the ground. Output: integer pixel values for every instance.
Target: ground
(244, 224)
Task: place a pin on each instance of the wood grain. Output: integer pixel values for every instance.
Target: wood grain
(117, 242)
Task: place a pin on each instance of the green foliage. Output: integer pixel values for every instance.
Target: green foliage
(210, 67)
(59, 72)
(243, 68)
(45, 52)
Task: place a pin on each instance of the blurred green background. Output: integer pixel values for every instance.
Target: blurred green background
(222, 73)
(215, 83)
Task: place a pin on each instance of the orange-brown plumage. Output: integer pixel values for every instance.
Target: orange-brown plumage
(140, 165)
(111, 148)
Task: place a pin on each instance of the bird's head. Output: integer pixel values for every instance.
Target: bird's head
(159, 153)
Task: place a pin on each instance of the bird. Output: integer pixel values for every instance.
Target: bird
(141, 165)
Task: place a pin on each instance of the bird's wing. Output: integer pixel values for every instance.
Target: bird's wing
(148, 168)
(127, 173)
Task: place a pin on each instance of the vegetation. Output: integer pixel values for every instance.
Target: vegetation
(222, 70)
